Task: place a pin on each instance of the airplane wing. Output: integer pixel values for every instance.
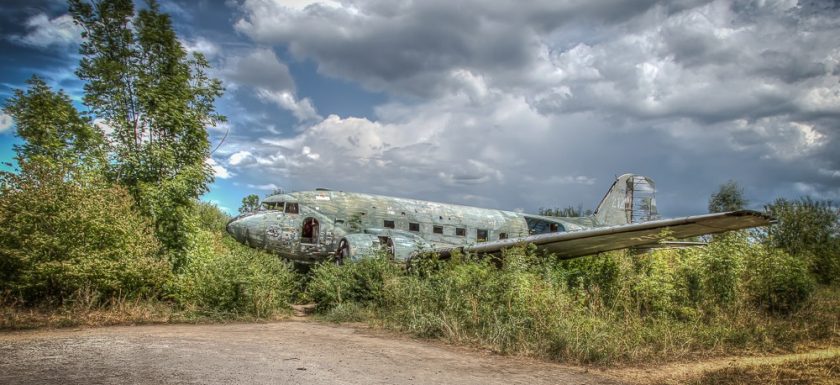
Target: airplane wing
(591, 241)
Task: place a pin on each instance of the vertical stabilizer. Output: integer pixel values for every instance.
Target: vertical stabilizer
(631, 199)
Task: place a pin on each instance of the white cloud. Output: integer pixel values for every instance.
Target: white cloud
(44, 32)
(6, 122)
(219, 171)
(529, 104)
(264, 72)
(239, 157)
(267, 187)
(208, 48)
(302, 109)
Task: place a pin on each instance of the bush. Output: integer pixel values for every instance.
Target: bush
(777, 281)
(809, 229)
(362, 281)
(61, 237)
(620, 306)
(223, 277)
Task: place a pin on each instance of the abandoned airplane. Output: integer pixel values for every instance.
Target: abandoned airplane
(312, 226)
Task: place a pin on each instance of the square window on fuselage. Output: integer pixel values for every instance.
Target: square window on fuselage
(389, 224)
(413, 226)
(460, 231)
(480, 235)
(437, 229)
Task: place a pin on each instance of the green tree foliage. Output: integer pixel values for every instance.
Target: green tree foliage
(223, 277)
(808, 229)
(777, 281)
(61, 237)
(569, 211)
(729, 197)
(52, 129)
(249, 204)
(158, 100)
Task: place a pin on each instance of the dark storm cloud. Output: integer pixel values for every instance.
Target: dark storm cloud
(521, 104)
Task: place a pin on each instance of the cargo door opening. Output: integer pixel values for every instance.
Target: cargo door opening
(310, 230)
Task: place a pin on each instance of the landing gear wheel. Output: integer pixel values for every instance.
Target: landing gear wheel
(342, 252)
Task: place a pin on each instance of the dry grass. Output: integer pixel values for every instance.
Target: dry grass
(819, 371)
(121, 313)
(818, 367)
(87, 310)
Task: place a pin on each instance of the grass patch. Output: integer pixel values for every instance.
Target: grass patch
(813, 371)
(618, 308)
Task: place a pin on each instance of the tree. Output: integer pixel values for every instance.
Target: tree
(808, 229)
(53, 131)
(730, 197)
(250, 203)
(569, 211)
(275, 191)
(62, 237)
(140, 81)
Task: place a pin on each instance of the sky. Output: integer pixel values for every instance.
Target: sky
(503, 104)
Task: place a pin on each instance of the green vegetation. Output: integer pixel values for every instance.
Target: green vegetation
(729, 197)
(249, 203)
(618, 307)
(96, 224)
(91, 226)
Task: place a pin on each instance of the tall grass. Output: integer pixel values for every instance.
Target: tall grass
(617, 307)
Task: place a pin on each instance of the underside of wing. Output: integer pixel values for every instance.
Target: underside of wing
(592, 241)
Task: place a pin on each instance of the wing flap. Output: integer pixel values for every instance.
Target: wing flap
(586, 242)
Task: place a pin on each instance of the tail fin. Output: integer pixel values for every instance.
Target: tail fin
(631, 199)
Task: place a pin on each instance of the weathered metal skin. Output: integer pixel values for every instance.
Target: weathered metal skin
(349, 215)
(311, 226)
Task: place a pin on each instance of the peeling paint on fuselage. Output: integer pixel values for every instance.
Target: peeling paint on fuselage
(341, 213)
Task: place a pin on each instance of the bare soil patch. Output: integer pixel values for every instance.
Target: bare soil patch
(278, 352)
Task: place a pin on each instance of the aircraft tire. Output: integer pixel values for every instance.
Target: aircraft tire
(342, 252)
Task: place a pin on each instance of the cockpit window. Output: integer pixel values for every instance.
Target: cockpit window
(291, 208)
(272, 206)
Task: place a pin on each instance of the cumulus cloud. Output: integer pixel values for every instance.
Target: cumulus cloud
(526, 104)
(261, 70)
(43, 32)
(6, 122)
(206, 47)
(219, 171)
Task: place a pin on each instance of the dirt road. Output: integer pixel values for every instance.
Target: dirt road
(275, 353)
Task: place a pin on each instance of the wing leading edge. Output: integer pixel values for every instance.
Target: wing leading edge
(586, 242)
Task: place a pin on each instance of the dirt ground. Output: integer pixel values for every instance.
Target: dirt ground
(276, 353)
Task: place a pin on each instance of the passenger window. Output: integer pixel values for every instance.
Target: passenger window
(389, 224)
(502, 235)
(480, 235)
(460, 231)
(437, 229)
(292, 208)
(413, 227)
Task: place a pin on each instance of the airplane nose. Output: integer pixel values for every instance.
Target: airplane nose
(233, 227)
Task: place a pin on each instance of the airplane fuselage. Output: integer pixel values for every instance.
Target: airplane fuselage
(311, 226)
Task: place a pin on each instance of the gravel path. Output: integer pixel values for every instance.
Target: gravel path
(271, 353)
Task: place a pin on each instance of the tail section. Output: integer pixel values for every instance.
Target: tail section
(631, 199)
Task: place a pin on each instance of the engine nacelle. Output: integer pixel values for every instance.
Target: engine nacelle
(356, 246)
(396, 245)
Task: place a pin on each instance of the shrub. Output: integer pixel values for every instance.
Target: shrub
(777, 281)
(361, 281)
(224, 277)
(808, 228)
(60, 237)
